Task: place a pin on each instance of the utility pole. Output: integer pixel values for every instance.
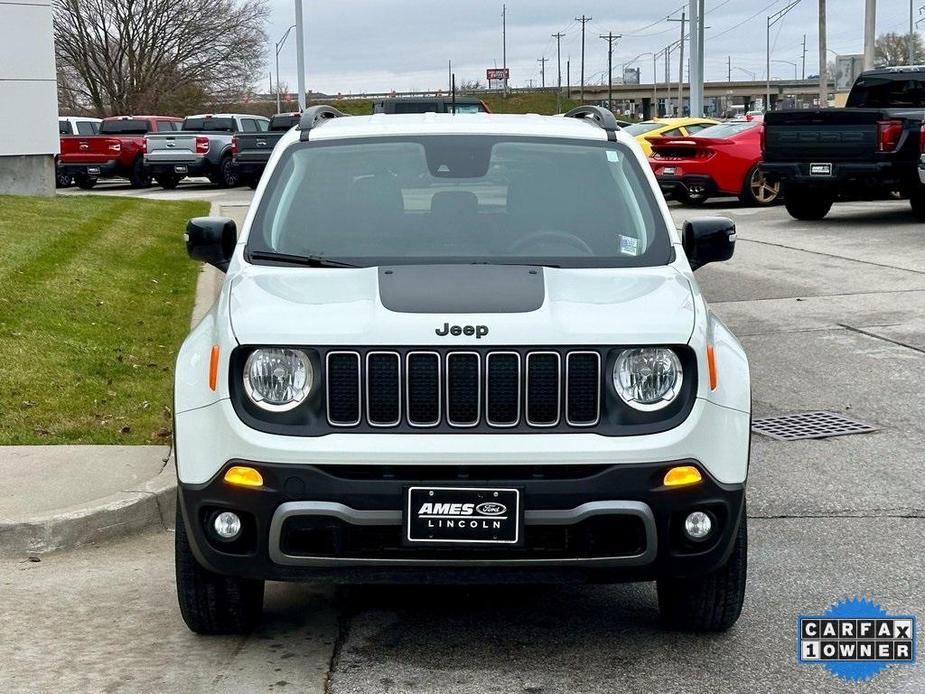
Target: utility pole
(568, 78)
(870, 25)
(610, 37)
(558, 37)
(584, 20)
(803, 75)
(300, 52)
(911, 60)
(729, 68)
(504, 44)
(449, 75)
(772, 20)
(683, 21)
(542, 62)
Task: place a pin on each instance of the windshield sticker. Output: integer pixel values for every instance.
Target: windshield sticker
(628, 245)
(613, 155)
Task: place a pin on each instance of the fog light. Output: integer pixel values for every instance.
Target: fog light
(227, 525)
(698, 525)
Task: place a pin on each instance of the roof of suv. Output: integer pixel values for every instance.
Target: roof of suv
(529, 125)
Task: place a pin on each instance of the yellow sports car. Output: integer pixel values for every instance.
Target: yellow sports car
(669, 127)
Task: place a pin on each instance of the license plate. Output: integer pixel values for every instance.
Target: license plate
(93, 170)
(180, 169)
(820, 169)
(462, 515)
(667, 171)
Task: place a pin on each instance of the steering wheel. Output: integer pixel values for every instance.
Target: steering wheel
(561, 237)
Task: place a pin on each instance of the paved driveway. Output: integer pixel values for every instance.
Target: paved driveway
(833, 317)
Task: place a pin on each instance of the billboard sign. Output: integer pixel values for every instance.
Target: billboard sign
(497, 74)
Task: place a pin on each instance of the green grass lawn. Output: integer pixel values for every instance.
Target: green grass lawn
(95, 298)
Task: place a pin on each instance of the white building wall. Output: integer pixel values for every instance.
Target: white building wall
(28, 96)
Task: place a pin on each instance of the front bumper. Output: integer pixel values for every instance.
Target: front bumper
(599, 523)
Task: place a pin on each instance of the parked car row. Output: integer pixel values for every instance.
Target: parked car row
(164, 149)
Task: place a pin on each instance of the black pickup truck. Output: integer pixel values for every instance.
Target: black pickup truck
(872, 149)
(251, 151)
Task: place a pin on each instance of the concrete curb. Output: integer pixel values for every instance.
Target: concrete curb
(152, 505)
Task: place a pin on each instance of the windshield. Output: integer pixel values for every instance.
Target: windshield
(638, 129)
(209, 124)
(462, 199)
(727, 129)
(892, 91)
(124, 127)
(284, 122)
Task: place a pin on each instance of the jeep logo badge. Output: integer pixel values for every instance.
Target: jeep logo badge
(478, 330)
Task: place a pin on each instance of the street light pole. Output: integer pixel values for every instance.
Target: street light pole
(787, 62)
(279, 47)
(300, 52)
(772, 20)
(870, 24)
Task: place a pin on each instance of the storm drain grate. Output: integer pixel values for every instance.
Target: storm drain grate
(809, 425)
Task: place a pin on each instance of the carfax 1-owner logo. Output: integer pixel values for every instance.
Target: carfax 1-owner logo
(856, 639)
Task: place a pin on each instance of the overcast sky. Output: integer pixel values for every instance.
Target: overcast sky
(380, 45)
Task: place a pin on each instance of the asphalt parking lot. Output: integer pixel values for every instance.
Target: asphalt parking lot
(832, 315)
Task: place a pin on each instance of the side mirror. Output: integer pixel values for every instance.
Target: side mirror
(211, 240)
(708, 240)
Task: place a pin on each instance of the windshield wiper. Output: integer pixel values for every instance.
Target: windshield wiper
(307, 260)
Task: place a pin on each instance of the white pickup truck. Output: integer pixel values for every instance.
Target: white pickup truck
(462, 349)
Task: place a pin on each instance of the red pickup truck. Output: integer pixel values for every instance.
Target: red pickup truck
(118, 150)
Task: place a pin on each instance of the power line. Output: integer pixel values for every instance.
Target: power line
(610, 37)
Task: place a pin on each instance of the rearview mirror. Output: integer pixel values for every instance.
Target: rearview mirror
(708, 240)
(211, 240)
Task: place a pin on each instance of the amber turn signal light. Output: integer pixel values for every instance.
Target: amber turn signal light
(213, 367)
(682, 475)
(241, 476)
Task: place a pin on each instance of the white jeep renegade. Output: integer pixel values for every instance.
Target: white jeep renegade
(461, 348)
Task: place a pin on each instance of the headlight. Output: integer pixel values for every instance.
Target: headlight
(278, 379)
(648, 378)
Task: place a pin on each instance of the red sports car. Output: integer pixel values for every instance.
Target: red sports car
(720, 160)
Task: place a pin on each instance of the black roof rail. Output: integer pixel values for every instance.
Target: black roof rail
(314, 116)
(600, 116)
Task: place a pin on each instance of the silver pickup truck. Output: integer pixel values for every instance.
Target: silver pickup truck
(202, 147)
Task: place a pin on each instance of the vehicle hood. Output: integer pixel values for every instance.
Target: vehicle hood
(411, 305)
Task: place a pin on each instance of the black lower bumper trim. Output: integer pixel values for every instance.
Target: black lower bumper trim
(554, 552)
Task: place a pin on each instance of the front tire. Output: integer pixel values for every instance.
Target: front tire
(211, 603)
(168, 181)
(917, 203)
(757, 190)
(139, 177)
(807, 206)
(712, 602)
(84, 182)
(227, 174)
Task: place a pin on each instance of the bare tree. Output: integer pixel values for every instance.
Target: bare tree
(136, 56)
(893, 49)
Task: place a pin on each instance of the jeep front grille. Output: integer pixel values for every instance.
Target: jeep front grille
(463, 388)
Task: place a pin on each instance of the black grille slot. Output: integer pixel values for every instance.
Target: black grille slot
(463, 391)
(583, 388)
(503, 389)
(343, 386)
(423, 375)
(383, 388)
(543, 388)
